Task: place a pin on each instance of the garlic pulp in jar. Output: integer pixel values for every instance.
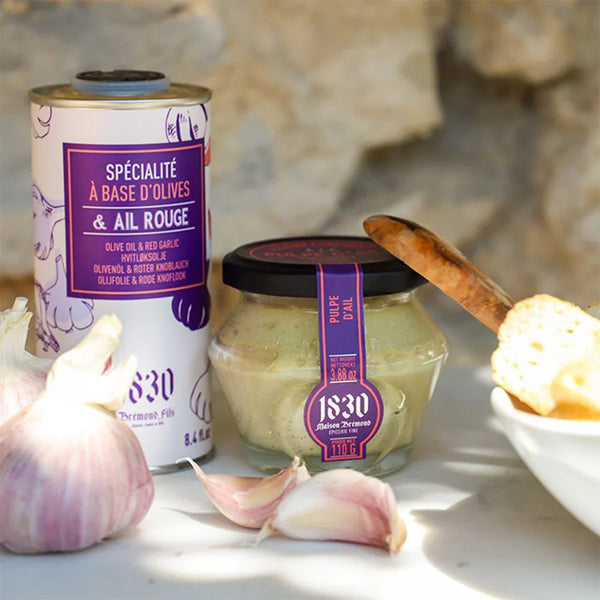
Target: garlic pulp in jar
(297, 383)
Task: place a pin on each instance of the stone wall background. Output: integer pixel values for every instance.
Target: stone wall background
(478, 118)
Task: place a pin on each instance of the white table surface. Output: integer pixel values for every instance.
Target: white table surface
(479, 526)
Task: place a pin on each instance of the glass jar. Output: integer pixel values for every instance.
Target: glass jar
(267, 353)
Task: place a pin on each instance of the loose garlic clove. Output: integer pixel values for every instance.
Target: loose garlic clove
(250, 501)
(71, 473)
(22, 375)
(342, 505)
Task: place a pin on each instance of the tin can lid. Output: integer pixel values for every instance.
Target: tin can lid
(120, 82)
(286, 266)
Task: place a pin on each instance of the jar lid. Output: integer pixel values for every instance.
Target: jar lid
(286, 267)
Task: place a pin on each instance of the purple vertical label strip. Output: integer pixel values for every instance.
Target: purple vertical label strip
(135, 219)
(345, 410)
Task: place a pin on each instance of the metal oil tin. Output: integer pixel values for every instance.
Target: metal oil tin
(121, 188)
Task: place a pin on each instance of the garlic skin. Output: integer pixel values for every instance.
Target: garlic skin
(22, 375)
(342, 505)
(71, 473)
(250, 501)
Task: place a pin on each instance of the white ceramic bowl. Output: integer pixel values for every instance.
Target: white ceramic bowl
(563, 454)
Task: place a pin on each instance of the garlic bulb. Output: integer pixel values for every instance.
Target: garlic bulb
(71, 473)
(342, 505)
(250, 501)
(22, 375)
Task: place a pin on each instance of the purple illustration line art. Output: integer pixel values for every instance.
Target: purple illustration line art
(191, 307)
(59, 312)
(40, 123)
(199, 402)
(181, 126)
(46, 216)
(42, 329)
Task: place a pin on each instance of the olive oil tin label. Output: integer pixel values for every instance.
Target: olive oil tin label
(121, 186)
(133, 214)
(345, 410)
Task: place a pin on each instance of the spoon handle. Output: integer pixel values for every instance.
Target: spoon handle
(443, 265)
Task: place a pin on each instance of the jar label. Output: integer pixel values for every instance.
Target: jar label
(134, 219)
(345, 410)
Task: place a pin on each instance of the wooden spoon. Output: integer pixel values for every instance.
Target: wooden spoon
(443, 265)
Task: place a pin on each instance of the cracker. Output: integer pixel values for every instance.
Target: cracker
(576, 390)
(540, 337)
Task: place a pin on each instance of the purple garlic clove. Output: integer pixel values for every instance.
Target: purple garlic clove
(251, 501)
